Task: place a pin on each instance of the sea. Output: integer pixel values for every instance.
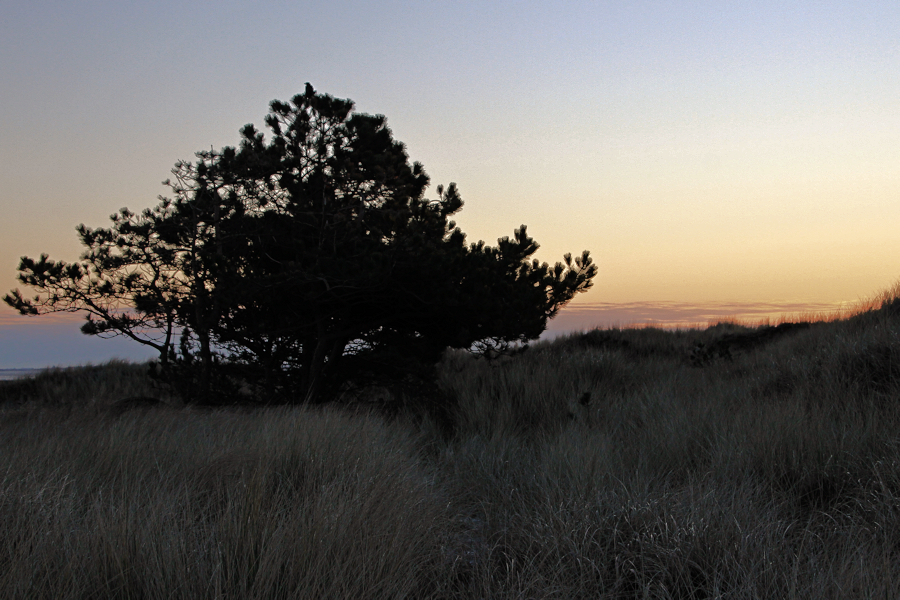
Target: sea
(10, 374)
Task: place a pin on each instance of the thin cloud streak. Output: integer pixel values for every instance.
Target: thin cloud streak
(39, 345)
(586, 316)
(10, 319)
(55, 339)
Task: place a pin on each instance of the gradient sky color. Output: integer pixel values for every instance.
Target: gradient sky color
(715, 156)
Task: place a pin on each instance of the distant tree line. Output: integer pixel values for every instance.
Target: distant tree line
(300, 262)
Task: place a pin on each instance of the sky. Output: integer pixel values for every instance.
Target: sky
(718, 159)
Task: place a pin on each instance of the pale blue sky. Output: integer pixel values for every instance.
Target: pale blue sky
(705, 152)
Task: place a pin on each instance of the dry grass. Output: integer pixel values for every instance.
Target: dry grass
(603, 465)
(278, 503)
(93, 386)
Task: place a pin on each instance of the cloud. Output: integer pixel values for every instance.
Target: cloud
(683, 314)
(10, 320)
(56, 340)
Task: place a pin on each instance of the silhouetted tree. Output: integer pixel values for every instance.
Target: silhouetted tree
(126, 281)
(146, 277)
(315, 254)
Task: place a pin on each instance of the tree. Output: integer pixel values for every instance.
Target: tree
(315, 252)
(126, 282)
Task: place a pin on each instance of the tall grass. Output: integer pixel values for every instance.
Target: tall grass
(602, 465)
(278, 503)
(90, 386)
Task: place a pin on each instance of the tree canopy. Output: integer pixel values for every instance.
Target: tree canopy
(302, 255)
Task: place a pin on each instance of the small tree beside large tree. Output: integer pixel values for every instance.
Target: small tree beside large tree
(307, 258)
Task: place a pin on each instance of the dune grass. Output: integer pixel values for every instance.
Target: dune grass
(277, 503)
(91, 386)
(602, 465)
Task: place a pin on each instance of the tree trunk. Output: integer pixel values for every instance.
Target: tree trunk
(203, 393)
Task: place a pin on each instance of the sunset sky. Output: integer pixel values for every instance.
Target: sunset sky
(717, 158)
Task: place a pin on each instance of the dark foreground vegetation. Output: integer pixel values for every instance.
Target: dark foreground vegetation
(729, 462)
